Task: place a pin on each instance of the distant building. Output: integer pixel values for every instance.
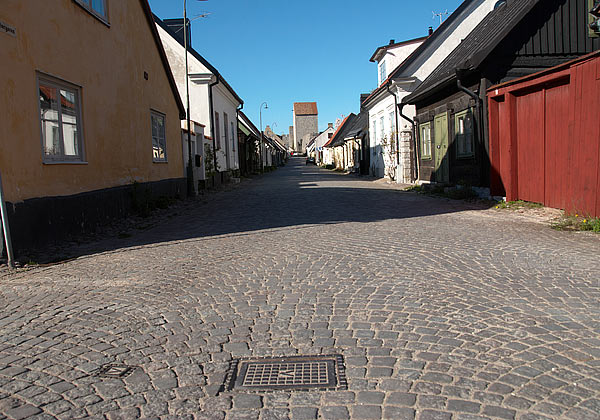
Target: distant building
(306, 124)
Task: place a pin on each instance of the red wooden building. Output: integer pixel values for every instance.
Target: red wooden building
(544, 132)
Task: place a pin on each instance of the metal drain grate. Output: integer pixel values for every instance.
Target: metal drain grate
(292, 373)
(114, 371)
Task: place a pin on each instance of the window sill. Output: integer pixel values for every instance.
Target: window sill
(160, 161)
(97, 16)
(426, 158)
(64, 162)
(465, 157)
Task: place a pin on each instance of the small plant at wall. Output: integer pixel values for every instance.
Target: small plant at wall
(209, 161)
(577, 222)
(388, 151)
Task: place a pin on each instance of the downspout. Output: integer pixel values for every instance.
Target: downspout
(212, 119)
(237, 119)
(459, 74)
(414, 136)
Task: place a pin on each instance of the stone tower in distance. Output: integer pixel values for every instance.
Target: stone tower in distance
(306, 124)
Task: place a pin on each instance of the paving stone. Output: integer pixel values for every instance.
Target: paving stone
(247, 401)
(271, 267)
(334, 412)
(396, 413)
(366, 412)
(304, 413)
(463, 406)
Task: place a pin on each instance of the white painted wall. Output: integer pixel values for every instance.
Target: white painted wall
(393, 57)
(418, 70)
(223, 101)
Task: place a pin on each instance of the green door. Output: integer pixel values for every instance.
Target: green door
(442, 169)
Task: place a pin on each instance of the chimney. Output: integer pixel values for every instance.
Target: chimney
(329, 125)
(364, 96)
(430, 30)
(392, 41)
(176, 25)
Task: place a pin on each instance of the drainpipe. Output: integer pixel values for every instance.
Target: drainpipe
(396, 133)
(414, 135)
(237, 119)
(212, 119)
(459, 74)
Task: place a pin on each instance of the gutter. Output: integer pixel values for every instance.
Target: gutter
(212, 119)
(237, 121)
(414, 136)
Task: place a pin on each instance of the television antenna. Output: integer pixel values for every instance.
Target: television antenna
(440, 15)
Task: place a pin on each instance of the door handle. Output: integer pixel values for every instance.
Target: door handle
(438, 146)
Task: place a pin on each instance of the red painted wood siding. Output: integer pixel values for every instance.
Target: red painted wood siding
(545, 137)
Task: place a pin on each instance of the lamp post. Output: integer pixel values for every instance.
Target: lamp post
(261, 134)
(190, 170)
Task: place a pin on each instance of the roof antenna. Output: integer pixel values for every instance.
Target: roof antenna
(440, 15)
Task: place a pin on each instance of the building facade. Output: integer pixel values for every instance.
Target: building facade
(306, 124)
(89, 119)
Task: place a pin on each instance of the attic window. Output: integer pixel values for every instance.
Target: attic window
(382, 72)
(97, 8)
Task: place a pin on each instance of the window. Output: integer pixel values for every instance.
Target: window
(159, 140)
(374, 133)
(381, 128)
(95, 7)
(60, 117)
(463, 133)
(382, 73)
(217, 131)
(232, 138)
(425, 132)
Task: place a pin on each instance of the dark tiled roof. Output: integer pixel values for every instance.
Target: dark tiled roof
(420, 49)
(360, 125)
(338, 137)
(305, 108)
(476, 47)
(198, 57)
(163, 57)
(397, 44)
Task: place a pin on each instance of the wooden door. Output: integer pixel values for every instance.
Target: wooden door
(531, 148)
(442, 167)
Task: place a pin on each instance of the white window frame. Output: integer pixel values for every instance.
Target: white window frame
(54, 83)
(382, 72)
(463, 135)
(87, 5)
(157, 114)
(425, 140)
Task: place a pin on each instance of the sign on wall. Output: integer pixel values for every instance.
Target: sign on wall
(7, 29)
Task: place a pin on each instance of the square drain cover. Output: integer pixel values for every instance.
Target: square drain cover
(114, 371)
(291, 373)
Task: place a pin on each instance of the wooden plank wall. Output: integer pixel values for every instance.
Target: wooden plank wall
(545, 139)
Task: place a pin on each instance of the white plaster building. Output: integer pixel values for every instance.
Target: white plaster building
(213, 103)
(388, 130)
(320, 141)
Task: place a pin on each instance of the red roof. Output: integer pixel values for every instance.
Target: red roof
(305, 108)
(336, 132)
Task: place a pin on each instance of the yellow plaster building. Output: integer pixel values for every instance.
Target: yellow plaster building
(89, 110)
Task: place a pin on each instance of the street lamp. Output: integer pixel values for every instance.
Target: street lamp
(190, 169)
(261, 134)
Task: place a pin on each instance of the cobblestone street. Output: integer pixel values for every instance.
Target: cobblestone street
(441, 310)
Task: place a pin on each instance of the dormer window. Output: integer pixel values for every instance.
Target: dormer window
(382, 72)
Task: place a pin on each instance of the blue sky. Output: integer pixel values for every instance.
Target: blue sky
(283, 51)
